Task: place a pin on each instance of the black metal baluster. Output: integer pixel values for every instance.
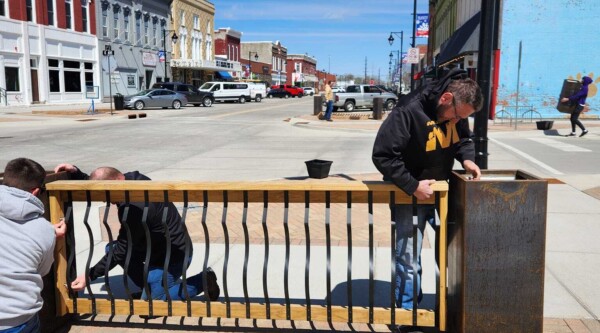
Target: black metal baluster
(110, 253)
(371, 262)
(415, 260)
(206, 251)
(89, 258)
(125, 224)
(71, 249)
(186, 259)
(349, 264)
(148, 252)
(266, 259)
(307, 259)
(393, 260)
(328, 249)
(246, 254)
(286, 289)
(437, 257)
(165, 281)
(225, 264)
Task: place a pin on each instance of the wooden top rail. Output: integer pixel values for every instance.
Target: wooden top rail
(158, 191)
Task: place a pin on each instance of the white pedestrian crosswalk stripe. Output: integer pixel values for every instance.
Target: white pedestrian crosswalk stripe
(560, 145)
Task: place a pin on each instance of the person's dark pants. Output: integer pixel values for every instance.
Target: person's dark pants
(575, 118)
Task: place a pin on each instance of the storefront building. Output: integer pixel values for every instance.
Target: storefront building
(303, 70)
(194, 55)
(131, 38)
(48, 51)
(227, 48)
(266, 61)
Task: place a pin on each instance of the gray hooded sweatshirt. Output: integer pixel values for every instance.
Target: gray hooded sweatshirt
(26, 254)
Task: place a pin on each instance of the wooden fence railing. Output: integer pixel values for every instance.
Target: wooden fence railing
(313, 231)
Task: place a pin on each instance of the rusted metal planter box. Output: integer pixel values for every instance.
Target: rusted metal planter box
(496, 246)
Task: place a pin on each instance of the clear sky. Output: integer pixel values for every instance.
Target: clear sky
(338, 33)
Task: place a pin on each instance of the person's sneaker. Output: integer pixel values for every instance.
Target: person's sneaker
(213, 287)
(583, 133)
(329, 120)
(572, 134)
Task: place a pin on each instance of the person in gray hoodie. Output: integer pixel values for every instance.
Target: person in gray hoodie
(27, 246)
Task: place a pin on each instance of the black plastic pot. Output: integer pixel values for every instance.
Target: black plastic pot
(544, 124)
(318, 168)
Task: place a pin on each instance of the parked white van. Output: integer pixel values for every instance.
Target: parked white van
(258, 91)
(228, 91)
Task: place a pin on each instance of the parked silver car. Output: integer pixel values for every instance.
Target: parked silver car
(155, 98)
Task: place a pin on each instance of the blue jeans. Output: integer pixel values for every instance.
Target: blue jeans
(175, 286)
(329, 109)
(404, 251)
(31, 326)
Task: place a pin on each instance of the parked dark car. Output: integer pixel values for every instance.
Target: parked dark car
(281, 93)
(194, 96)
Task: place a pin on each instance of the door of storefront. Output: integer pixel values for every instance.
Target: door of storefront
(148, 78)
(35, 93)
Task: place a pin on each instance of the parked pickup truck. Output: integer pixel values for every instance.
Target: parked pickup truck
(362, 95)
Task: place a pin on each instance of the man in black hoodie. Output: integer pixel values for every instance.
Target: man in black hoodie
(415, 146)
(133, 215)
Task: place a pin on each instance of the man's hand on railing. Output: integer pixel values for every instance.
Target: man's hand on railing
(65, 167)
(60, 228)
(79, 283)
(424, 190)
(472, 168)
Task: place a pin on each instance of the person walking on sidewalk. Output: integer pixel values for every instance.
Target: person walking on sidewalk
(27, 247)
(132, 214)
(578, 98)
(328, 101)
(415, 146)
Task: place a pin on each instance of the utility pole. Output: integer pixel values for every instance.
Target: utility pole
(414, 36)
(365, 71)
(488, 24)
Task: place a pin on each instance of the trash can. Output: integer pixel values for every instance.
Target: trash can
(318, 104)
(496, 248)
(569, 88)
(377, 108)
(119, 101)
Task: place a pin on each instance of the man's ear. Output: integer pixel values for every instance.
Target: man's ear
(36, 191)
(446, 98)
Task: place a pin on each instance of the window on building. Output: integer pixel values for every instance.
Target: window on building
(138, 27)
(2, 8)
(50, 5)
(68, 15)
(126, 15)
(163, 28)
(154, 30)
(54, 75)
(89, 73)
(84, 16)
(104, 19)
(72, 76)
(12, 78)
(196, 22)
(146, 28)
(29, 9)
(116, 11)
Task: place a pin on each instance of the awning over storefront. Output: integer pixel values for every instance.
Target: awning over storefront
(464, 40)
(224, 75)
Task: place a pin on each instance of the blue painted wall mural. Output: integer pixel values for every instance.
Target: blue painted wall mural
(560, 40)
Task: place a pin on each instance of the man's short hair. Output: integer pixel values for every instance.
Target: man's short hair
(105, 173)
(24, 174)
(466, 91)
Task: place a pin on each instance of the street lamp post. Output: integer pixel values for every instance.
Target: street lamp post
(391, 41)
(174, 39)
(250, 61)
(398, 63)
(108, 52)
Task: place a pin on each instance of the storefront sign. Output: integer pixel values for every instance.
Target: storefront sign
(149, 59)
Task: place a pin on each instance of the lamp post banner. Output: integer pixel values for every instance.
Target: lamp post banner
(161, 56)
(423, 25)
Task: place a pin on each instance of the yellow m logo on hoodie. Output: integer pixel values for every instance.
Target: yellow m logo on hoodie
(445, 139)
